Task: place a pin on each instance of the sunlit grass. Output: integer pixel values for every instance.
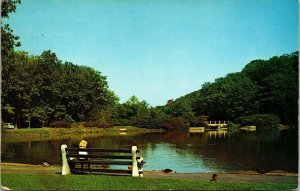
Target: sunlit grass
(94, 182)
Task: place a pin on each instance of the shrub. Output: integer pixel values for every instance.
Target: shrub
(91, 124)
(176, 123)
(154, 123)
(201, 121)
(60, 124)
(96, 124)
(261, 121)
(232, 126)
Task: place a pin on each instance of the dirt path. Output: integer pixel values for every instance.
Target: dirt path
(227, 177)
(17, 168)
(274, 177)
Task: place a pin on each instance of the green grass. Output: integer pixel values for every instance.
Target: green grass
(45, 133)
(94, 182)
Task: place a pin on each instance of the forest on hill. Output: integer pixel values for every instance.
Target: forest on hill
(41, 90)
(262, 87)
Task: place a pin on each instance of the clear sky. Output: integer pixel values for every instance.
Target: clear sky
(159, 49)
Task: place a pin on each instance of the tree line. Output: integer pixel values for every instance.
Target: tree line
(262, 87)
(41, 90)
(264, 93)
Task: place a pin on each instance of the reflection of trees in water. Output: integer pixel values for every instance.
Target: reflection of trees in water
(265, 150)
(268, 150)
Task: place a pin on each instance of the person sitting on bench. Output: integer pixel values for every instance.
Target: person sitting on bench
(82, 145)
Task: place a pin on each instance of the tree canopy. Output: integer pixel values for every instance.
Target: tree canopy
(263, 86)
(43, 89)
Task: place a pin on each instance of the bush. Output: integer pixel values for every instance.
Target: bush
(176, 123)
(200, 121)
(154, 123)
(60, 124)
(96, 124)
(232, 126)
(261, 121)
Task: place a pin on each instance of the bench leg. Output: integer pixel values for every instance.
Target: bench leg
(135, 170)
(65, 166)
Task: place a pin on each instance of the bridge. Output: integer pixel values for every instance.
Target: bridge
(213, 125)
(218, 124)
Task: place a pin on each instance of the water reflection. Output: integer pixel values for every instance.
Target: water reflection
(220, 134)
(182, 152)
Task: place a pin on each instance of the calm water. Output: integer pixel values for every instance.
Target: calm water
(182, 152)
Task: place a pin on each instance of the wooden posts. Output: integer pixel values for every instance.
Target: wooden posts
(135, 171)
(65, 166)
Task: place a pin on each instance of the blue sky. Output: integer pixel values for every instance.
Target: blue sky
(158, 50)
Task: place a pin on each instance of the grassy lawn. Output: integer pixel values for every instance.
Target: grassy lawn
(94, 182)
(45, 133)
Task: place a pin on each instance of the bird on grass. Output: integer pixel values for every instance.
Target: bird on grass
(214, 177)
(45, 163)
(260, 171)
(104, 166)
(167, 170)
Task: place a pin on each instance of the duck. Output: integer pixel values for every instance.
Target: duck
(167, 170)
(45, 163)
(260, 171)
(104, 166)
(214, 177)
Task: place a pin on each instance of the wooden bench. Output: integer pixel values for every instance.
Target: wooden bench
(96, 161)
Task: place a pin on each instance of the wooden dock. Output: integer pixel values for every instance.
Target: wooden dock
(196, 129)
(248, 128)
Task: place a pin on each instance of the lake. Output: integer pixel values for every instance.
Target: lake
(182, 152)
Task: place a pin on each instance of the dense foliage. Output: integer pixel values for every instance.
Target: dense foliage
(263, 86)
(8, 39)
(42, 91)
(261, 121)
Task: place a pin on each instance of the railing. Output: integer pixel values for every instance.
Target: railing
(217, 122)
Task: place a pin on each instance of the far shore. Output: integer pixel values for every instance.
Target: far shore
(46, 133)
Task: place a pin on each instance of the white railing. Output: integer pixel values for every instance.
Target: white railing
(217, 122)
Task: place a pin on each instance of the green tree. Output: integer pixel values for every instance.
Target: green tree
(8, 39)
(135, 112)
(277, 79)
(41, 89)
(180, 108)
(263, 86)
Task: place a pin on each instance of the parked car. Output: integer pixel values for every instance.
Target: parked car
(8, 126)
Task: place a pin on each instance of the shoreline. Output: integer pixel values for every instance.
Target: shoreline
(10, 167)
(47, 133)
(238, 176)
